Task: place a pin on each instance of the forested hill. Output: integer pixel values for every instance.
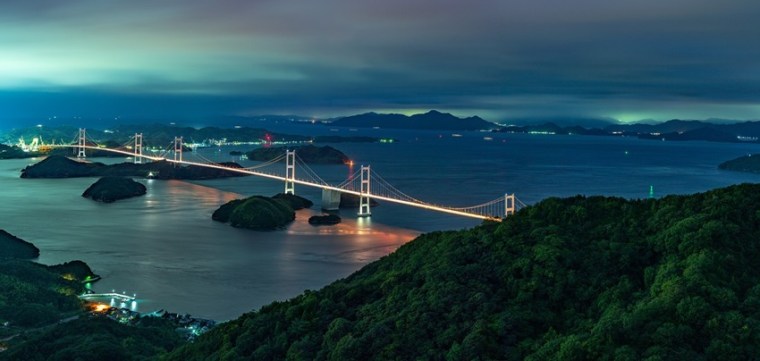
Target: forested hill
(577, 278)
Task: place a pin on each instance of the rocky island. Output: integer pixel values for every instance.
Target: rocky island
(63, 167)
(324, 220)
(308, 153)
(295, 202)
(749, 163)
(257, 212)
(14, 152)
(14, 247)
(111, 189)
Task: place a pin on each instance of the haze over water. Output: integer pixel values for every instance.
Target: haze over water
(165, 247)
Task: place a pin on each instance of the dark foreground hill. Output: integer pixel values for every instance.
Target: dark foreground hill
(577, 278)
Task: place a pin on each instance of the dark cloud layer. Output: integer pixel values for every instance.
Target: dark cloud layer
(627, 60)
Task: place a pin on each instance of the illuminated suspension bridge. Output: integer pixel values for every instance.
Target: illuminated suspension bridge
(364, 183)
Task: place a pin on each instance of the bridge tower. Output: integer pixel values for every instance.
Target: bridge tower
(290, 172)
(82, 143)
(364, 191)
(177, 149)
(138, 148)
(509, 204)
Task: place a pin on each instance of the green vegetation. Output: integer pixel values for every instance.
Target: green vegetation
(749, 163)
(256, 212)
(35, 295)
(98, 338)
(56, 166)
(570, 279)
(111, 189)
(295, 202)
(14, 247)
(324, 220)
(308, 153)
(14, 152)
(75, 270)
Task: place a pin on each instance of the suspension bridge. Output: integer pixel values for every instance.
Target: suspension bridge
(364, 183)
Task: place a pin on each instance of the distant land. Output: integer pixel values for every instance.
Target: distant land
(250, 129)
(432, 120)
(157, 136)
(749, 163)
(307, 153)
(56, 166)
(676, 130)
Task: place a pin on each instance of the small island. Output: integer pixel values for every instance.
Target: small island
(308, 153)
(258, 213)
(14, 152)
(111, 189)
(324, 220)
(295, 202)
(749, 163)
(56, 166)
(14, 247)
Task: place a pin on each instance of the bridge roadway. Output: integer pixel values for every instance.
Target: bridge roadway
(112, 295)
(296, 181)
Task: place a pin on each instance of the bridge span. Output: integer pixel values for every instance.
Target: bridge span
(364, 183)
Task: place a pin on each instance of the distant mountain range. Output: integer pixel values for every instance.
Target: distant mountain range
(671, 130)
(432, 120)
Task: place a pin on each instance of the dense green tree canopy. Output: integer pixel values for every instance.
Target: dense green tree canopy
(570, 279)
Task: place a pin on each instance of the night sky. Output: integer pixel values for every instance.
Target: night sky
(628, 60)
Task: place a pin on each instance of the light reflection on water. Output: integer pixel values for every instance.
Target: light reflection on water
(165, 247)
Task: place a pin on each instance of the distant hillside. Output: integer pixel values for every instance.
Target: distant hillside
(158, 135)
(580, 278)
(676, 130)
(56, 166)
(749, 163)
(432, 120)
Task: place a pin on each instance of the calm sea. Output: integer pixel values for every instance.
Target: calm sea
(165, 248)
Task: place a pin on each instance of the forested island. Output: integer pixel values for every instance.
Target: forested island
(111, 189)
(14, 152)
(261, 213)
(308, 153)
(325, 220)
(14, 247)
(63, 167)
(749, 163)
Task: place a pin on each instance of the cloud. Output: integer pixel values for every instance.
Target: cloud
(590, 57)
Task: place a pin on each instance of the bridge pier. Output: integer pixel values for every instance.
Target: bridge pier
(364, 203)
(330, 200)
(82, 143)
(290, 172)
(177, 150)
(509, 204)
(138, 148)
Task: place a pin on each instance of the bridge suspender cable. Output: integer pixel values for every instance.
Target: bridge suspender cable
(364, 183)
